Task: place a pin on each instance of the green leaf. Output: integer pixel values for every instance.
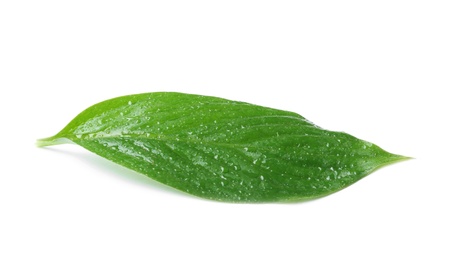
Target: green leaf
(223, 150)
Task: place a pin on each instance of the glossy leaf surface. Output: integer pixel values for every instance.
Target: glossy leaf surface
(223, 150)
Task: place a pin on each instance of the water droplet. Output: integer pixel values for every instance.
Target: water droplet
(261, 177)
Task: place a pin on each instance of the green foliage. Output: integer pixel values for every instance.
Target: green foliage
(223, 150)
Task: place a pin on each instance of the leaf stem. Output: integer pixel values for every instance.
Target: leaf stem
(51, 141)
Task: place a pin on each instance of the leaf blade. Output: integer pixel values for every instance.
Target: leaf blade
(223, 150)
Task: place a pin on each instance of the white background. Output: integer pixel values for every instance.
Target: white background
(380, 70)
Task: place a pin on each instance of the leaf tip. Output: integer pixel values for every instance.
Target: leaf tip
(394, 158)
(400, 158)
